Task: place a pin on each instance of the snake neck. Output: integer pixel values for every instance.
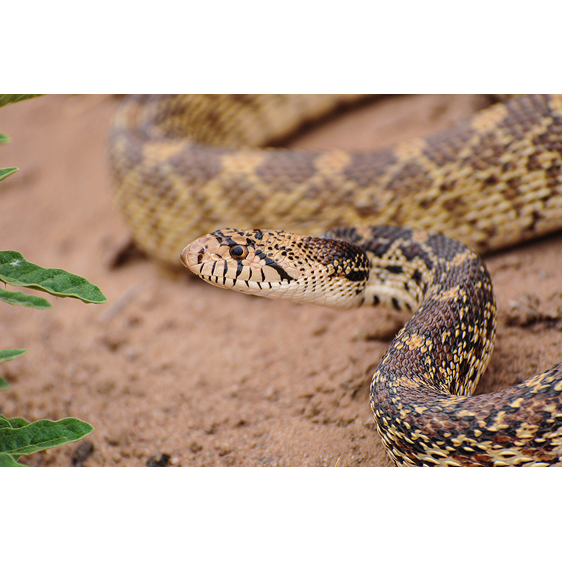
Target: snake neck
(447, 343)
(400, 267)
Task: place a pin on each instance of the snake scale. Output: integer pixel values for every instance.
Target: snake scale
(183, 166)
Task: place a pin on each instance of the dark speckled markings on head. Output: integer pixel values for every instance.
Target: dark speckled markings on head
(421, 392)
(273, 263)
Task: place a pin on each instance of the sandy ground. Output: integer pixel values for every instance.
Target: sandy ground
(171, 370)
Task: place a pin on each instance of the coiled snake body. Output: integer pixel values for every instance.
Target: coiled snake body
(490, 182)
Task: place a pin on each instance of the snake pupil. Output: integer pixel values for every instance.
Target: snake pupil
(238, 252)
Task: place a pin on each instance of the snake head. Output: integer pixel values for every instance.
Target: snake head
(281, 265)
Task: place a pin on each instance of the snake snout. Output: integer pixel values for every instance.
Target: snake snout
(192, 254)
(185, 255)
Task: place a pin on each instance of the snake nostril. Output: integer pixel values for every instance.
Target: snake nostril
(200, 256)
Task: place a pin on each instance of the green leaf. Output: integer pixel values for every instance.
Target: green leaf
(14, 423)
(6, 99)
(9, 354)
(4, 138)
(15, 271)
(5, 172)
(19, 298)
(4, 384)
(8, 460)
(41, 435)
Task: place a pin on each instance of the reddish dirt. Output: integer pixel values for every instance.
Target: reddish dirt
(172, 366)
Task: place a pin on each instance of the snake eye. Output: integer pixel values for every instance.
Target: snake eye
(238, 252)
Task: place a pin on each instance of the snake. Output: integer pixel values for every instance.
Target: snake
(402, 227)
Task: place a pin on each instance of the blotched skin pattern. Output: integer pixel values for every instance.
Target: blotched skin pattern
(184, 165)
(489, 182)
(421, 391)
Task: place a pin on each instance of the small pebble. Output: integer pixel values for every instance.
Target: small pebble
(161, 459)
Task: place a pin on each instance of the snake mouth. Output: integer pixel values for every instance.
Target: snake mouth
(244, 285)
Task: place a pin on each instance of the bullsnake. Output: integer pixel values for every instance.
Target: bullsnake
(488, 183)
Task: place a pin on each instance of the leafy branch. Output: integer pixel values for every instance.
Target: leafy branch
(18, 436)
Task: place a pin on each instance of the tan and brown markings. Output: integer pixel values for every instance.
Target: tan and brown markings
(421, 390)
(184, 165)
